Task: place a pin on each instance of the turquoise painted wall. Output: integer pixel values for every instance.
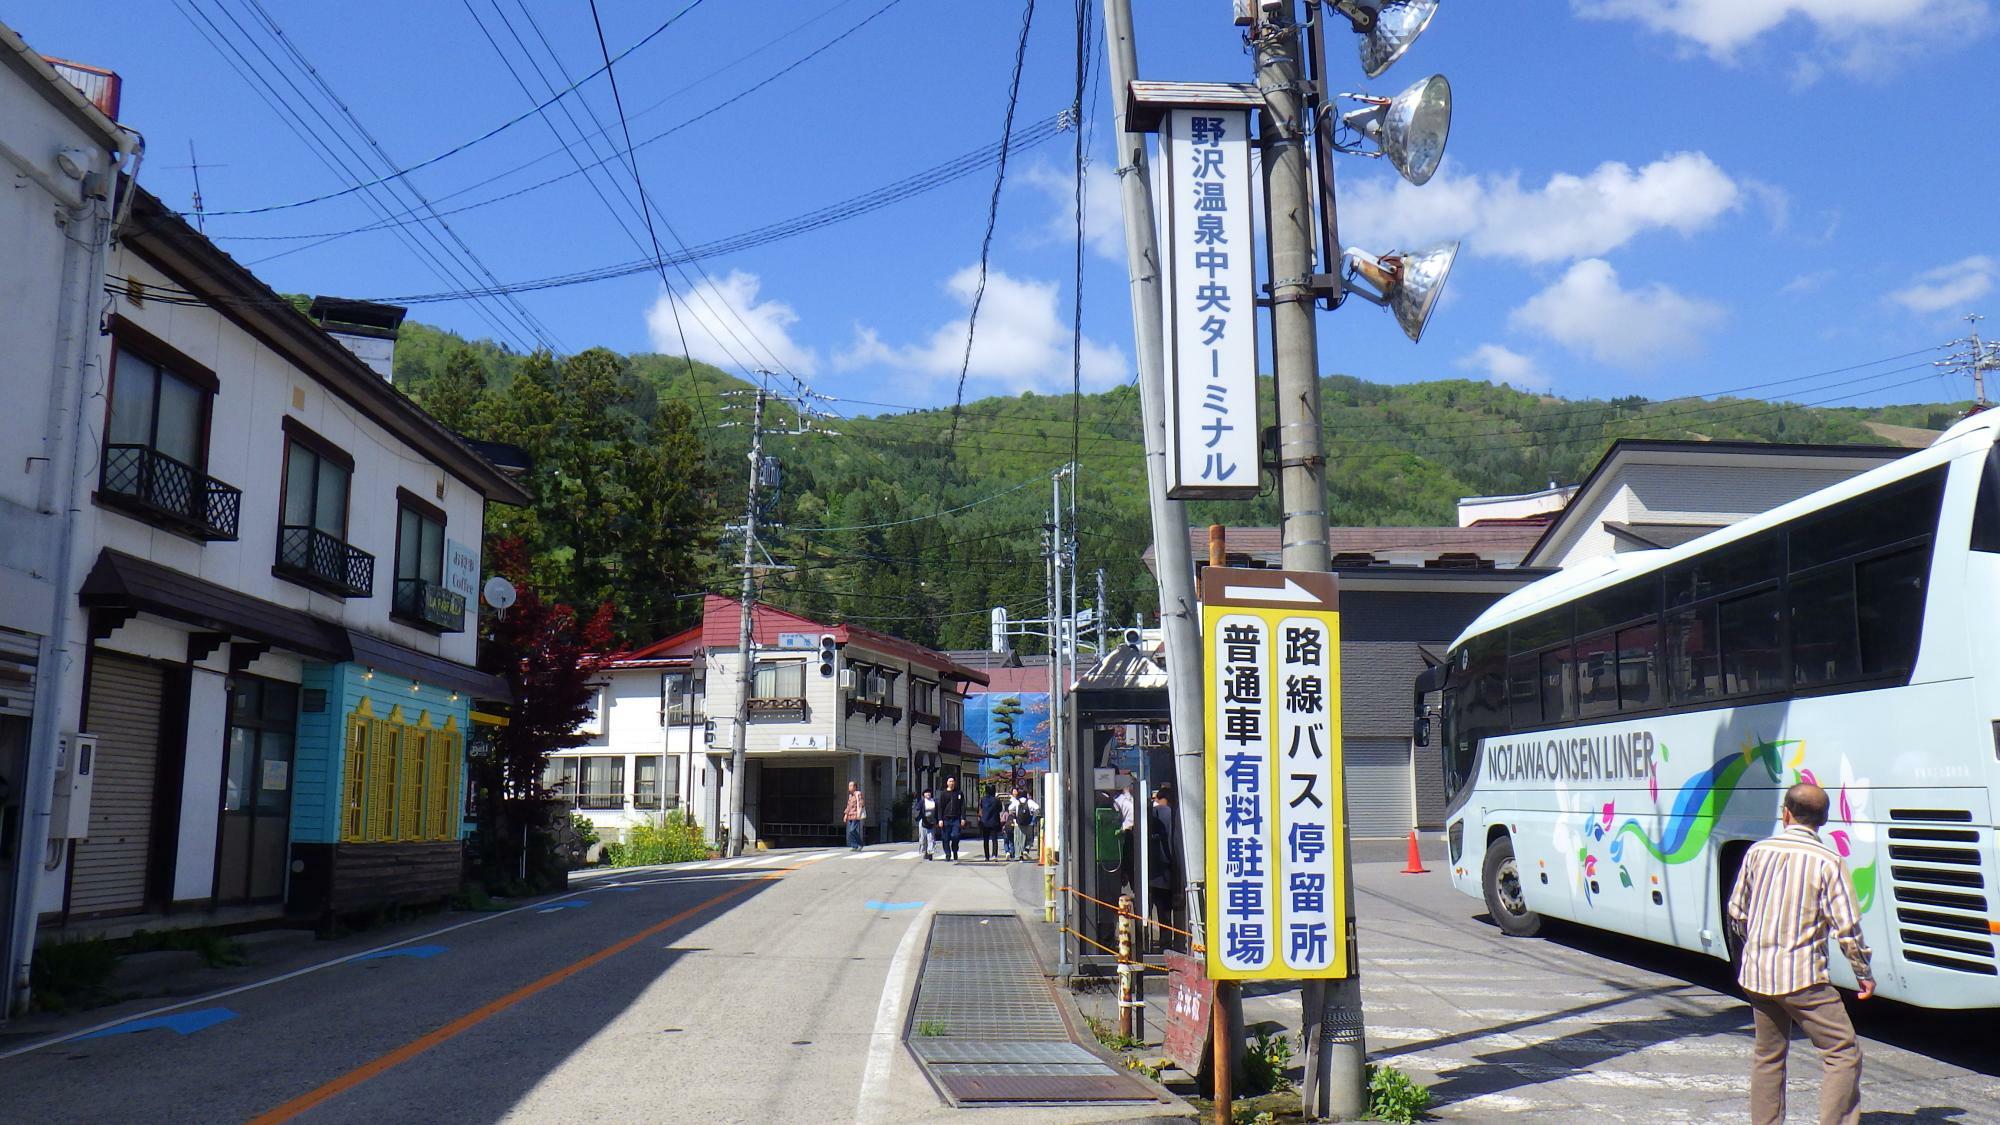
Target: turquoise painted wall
(316, 791)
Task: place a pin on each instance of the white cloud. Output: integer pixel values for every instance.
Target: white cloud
(1859, 36)
(1805, 283)
(1948, 288)
(1022, 343)
(1588, 311)
(1505, 365)
(1569, 217)
(1103, 211)
(728, 326)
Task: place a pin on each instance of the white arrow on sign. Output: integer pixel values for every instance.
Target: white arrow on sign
(1292, 592)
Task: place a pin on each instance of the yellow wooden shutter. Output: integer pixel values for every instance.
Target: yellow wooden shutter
(354, 776)
(437, 809)
(382, 779)
(410, 773)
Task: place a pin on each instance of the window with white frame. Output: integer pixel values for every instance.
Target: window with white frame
(954, 712)
(779, 679)
(683, 699)
(656, 782)
(593, 782)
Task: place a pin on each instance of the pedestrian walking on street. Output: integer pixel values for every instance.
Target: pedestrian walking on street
(923, 813)
(1792, 893)
(1163, 862)
(856, 813)
(951, 817)
(1026, 813)
(989, 822)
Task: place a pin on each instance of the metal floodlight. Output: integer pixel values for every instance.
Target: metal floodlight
(1410, 128)
(1387, 28)
(1406, 284)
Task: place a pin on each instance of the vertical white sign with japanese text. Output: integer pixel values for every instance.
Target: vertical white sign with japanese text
(1211, 304)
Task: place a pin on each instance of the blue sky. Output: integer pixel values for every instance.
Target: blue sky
(1661, 197)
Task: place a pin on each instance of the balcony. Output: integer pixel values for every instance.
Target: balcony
(684, 715)
(428, 605)
(313, 558)
(781, 708)
(156, 488)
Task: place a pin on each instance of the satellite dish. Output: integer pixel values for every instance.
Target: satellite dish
(499, 593)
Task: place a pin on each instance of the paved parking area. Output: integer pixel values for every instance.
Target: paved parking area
(1586, 1027)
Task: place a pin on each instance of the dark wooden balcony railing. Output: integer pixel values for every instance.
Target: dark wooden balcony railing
(429, 605)
(160, 490)
(324, 561)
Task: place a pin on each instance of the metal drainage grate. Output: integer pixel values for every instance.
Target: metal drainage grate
(995, 1033)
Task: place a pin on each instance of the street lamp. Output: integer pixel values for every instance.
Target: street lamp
(1410, 128)
(1387, 28)
(1406, 284)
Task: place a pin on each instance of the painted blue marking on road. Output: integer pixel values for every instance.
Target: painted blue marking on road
(871, 904)
(180, 1023)
(572, 904)
(405, 951)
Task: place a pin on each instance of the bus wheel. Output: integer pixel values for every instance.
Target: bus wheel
(1505, 899)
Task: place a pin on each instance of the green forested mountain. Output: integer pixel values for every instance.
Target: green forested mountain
(900, 523)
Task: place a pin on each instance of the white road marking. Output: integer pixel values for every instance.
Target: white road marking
(886, 1037)
(282, 977)
(866, 855)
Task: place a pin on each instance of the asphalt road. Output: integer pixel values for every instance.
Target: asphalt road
(1581, 1026)
(764, 990)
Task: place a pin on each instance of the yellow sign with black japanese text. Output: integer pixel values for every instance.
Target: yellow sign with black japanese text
(1277, 899)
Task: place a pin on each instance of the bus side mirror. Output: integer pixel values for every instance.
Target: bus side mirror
(1420, 731)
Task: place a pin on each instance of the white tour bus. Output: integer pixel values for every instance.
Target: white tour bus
(1615, 736)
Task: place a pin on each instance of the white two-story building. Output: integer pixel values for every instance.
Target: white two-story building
(829, 704)
(265, 601)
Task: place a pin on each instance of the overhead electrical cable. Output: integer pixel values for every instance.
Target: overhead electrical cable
(540, 331)
(266, 89)
(404, 172)
(993, 208)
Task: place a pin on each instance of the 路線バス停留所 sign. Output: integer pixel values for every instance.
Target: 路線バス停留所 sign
(1276, 896)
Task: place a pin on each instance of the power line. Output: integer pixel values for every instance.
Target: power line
(993, 209)
(402, 173)
(534, 324)
(294, 120)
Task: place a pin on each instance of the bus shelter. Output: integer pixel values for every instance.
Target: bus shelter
(1120, 730)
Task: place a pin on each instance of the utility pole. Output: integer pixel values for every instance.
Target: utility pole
(1335, 1055)
(1179, 617)
(746, 632)
(1102, 605)
(1981, 361)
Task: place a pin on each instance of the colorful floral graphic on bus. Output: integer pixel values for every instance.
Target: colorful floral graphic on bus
(1700, 801)
(1705, 797)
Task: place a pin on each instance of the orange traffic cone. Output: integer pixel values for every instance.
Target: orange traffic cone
(1415, 865)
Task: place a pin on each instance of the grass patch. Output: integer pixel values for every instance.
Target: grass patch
(68, 975)
(216, 949)
(930, 1029)
(1107, 1034)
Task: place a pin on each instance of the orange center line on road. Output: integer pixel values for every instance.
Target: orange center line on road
(480, 1015)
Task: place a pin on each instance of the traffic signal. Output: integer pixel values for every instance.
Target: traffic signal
(829, 655)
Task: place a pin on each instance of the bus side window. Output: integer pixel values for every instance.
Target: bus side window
(1986, 517)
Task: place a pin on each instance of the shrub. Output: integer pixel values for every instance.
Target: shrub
(585, 830)
(673, 838)
(1393, 1097)
(1264, 1064)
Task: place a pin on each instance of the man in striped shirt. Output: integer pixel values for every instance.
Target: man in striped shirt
(1791, 895)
